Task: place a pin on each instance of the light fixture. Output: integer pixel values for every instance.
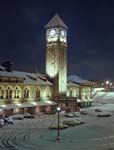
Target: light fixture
(107, 82)
(18, 104)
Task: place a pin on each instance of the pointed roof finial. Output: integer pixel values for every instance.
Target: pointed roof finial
(56, 21)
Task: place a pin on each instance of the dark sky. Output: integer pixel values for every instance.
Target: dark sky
(90, 34)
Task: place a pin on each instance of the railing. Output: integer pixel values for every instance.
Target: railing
(94, 94)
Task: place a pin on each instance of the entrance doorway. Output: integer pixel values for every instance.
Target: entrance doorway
(25, 110)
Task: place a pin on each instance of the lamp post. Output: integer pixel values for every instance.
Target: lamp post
(58, 131)
(111, 86)
(107, 83)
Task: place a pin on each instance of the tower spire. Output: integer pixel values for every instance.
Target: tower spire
(56, 21)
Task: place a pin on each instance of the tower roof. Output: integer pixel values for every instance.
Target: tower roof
(56, 21)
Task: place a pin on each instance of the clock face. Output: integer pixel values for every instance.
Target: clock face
(63, 33)
(55, 34)
(52, 32)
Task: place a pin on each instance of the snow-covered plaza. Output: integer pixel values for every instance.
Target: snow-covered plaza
(33, 134)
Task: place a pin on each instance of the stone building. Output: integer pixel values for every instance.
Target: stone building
(22, 92)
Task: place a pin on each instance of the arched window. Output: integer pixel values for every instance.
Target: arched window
(48, 92)
(16, 92)
(86, 93)
(37, 93)
(26, 93)
(70, 92)
(9, 92)
(1, 93)
(83, 93)
(6, 93)
(77, 92)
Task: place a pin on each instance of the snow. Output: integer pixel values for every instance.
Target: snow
(26, 134)
(107, 107)
(2, 68)
(103, 107)
(104, 97)
(76, 79)
(95, 90)
(70, 83)
(28, 78)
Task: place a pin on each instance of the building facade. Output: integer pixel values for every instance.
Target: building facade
(22, 92)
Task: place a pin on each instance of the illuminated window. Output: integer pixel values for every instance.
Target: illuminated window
(26, 93)
(87, 93)
(47, 92)
(70, 93)
(16, 92)
(9, 92)
(37, 93)
(77, 93)
(1, 93)
(16, 110)
(83, 93)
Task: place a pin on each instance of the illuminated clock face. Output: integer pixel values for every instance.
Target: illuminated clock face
(63, 33)
(52, 32)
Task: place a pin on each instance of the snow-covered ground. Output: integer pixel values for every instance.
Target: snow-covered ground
(102, 107)
(33, 134)
(103, 100)
(104, 97)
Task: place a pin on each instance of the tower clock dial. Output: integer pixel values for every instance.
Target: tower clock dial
(52, 32)
(63, 33)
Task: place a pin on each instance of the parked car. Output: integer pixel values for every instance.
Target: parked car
(50, 112)
(2, 122)
(70, 115)
(8, 120)
(69, 122)
(76, 114)
(104, 114)
(55, 126)
(28, 115)
(73, 122)
(17, 116)
(83, 112)
(98, 110)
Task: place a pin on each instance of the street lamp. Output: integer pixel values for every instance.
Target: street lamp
(107, 83)
(111, 86)
(58, 133)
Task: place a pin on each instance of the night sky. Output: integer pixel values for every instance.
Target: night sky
(90, 35)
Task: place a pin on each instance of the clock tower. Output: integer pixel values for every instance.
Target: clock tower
(56, 55)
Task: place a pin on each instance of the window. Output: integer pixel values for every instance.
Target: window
(77, 93)
(70, 93)
(1, 93)
(16, 92)
(16, 110)
(26, 93)
(48, 92)
(37, 93)
(8, 92)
